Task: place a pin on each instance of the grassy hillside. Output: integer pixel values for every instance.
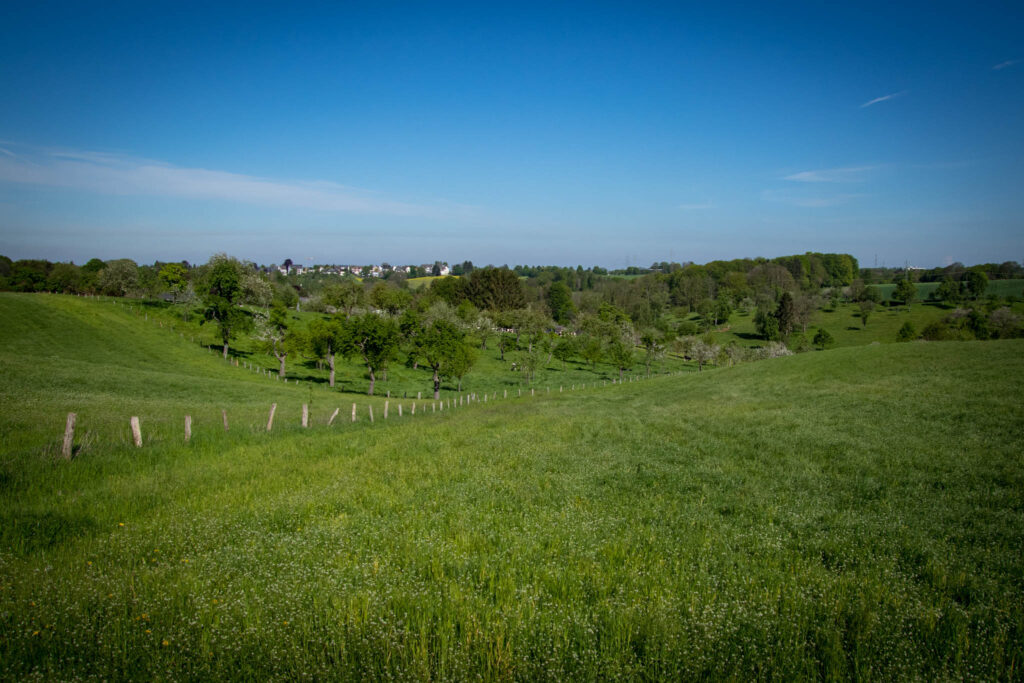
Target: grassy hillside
(110, 359)
(853, 513)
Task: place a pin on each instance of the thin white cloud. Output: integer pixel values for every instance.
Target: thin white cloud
(123, 175)
(883, 98)
(1007, 63)
(804, 201)
(850, 174)
(695, 207)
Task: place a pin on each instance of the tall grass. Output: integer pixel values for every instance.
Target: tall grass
(853, 513)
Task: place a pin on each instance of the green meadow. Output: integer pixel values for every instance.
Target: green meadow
(853, 513)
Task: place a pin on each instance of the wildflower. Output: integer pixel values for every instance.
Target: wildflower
(148, 631)
(35, 633)
(164, 642)
(286, 622)
(89, 562)
(120, 523)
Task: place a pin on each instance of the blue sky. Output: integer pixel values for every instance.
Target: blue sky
(611, 134)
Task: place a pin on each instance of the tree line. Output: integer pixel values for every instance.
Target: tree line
(541, 313)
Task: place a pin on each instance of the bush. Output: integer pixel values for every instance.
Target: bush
(937, 331)
(906, 333)
(823, 339)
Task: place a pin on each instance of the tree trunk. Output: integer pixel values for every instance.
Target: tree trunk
(620, 374)
(330, 361)
(373, 379)
(225, 350)
(437, 386)
(280, 360)
(460, 384)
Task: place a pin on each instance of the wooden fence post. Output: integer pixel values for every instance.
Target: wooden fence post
(386, 407)
(353, 412)
(224, 415)
(505, 394)
(305, 415)
(413, 408)
(136, 432)
(333, 415)
(188, 428)
(270, 420)
(69, 436)
(399, 410)
(419, 395)
(371, 412)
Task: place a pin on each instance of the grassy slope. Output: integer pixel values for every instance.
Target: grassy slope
(844, 324)
(855, 512)
(109, 360)
(489, 374)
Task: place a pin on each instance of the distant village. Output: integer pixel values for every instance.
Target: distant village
(438, 268)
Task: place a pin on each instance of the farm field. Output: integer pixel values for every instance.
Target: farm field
(852, 513)
(844, 324)
(1001, 288)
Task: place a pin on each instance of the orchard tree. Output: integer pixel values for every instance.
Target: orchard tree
(439, 348)
(222, 292)
(276, 337)
(120, 277)
(324, 339)
(653, 349)
(373, 339)
(864, 310)
(620, 354)
(175, 278)
(905, 291)
(564, 349)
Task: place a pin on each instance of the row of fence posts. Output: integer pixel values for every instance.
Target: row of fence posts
(136, 427)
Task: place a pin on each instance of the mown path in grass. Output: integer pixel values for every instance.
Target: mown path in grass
(853, 513)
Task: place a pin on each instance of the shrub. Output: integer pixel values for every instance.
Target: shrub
(906, 333)
(823, 339)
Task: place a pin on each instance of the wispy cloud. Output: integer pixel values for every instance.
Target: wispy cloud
(1007, 63)
(850, 174)
(883, 98)
(124, 175)
(695, 207)
(783, 197)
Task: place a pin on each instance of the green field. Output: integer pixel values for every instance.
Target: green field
(418, 282)
(856, 513)
(1001, 288)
